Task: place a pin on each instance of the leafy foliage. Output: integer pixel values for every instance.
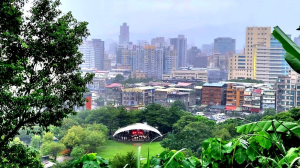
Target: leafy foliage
(35, 141)
(179, 104)
(91, 160)
(40, 77)
(247, 80)
(121, 160)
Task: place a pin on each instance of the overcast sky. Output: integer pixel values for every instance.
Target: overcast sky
(201, 21)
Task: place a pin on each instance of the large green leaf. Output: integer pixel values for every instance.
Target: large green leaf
(227, 148)
(252, 151)
(280, 126)
(290, 156)
(292, 55)
(264, 140)
(216, 151)
(240, 155)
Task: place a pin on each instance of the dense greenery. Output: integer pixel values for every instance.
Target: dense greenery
(40, 77)
(247, 80)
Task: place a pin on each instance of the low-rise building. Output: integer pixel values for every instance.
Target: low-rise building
(138, 96)
(198, 74)
(113, 94)
(139, 74)
(161, 96)
(214, 94)
(235, 95)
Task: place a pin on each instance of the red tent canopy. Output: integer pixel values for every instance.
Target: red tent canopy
(230, 108)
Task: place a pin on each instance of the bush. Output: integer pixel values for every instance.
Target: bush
(121, 160)
(77, 152)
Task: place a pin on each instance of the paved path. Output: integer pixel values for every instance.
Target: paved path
(61, 159)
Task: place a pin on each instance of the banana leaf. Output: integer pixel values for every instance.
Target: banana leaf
(292, 55)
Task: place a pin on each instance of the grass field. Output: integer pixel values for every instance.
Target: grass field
(113, 147)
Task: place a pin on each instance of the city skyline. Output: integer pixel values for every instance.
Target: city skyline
(204, 21)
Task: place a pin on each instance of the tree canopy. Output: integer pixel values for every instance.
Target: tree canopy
(40, 78)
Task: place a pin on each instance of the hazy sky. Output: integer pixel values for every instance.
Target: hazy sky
(201, 21)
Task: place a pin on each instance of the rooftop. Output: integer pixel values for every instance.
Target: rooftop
(183, 84)
(114, 85)
(214, 84)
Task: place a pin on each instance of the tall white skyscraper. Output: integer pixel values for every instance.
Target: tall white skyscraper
(93, 54)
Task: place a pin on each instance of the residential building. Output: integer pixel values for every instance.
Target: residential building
(139, 74)
(216, 75)
(158, 42)
(270, 62)
(180, 45)
(200, 61)
(193, 74)
(113, 94)
(139, 96)
(187, 96)
(297, 40)
(192, 53)
(252, 100)
(224, 45)
(198, 94)
(268, 99)
(124, 34)
(93, 54)
(217, 60)
(107, 65)
(288, 91)
(98, 46)
(113, 48)
(242, 66)
(169, 61)
(126, 55)
(214, 94)
(235, 95)
(88, 55)
(161, 96)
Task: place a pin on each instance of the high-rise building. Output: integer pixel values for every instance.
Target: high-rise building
(124, 34)
(98, 45)
(93, 54)
(224, 45)
(88, 55)
(180, 45)
(158, 41)
(192, 54)
(207, 49)
(243, 66)
(126, 54)
(297, 40)
(169, 59)
(112, 48)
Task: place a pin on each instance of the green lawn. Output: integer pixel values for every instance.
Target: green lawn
(113, 147)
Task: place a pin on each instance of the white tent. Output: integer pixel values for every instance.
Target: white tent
(137, 126)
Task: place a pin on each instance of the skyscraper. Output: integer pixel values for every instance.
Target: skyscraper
(224, 45)
(180, 45)
(93, 54)
(158, 41)
(124, 34)
(297, 40)
(191, 55)
(98, 45)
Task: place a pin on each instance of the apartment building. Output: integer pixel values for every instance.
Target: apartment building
(214, 94)
(288, 91)
(139, 96)
(198, 74)
(268, 99)
(113, 94)
(235, 95)
(242, 66)
(224, 45)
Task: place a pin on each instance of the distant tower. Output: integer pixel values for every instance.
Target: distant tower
(124, 34)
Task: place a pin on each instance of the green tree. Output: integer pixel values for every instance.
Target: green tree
(222, 133)
(77, 152)
(48, 137)
(17, 141)
(269, 112)
(75, 136)
(35, 141)
(93, 140)
(183, 121)
(179, 104)
(52, 148)
(119, 78)
(39, 60)
(284, 116)
(295, 113)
